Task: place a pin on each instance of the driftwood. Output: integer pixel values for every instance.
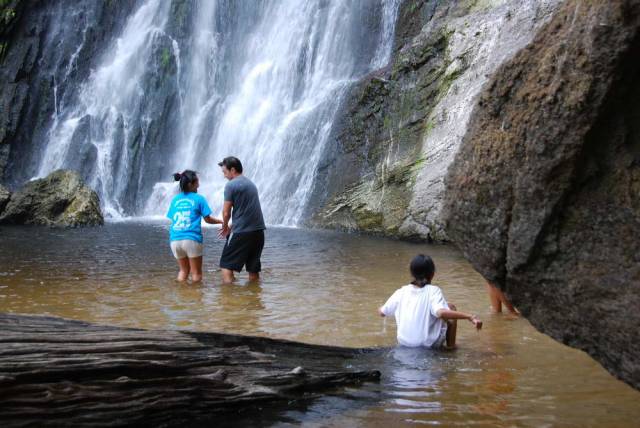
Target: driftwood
(58, 372)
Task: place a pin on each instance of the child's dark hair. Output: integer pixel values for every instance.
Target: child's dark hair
(185, 177)
(422, 269)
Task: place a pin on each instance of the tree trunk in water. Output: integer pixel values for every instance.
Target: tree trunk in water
(56, 372)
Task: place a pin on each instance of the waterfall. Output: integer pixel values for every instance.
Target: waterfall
(258, 80)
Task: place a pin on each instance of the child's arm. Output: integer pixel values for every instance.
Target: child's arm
(391, 304)
(212, 220)
(448, 314)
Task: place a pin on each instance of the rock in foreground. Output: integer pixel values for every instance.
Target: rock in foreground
(544, 195)
(60, 199)
(56, 372)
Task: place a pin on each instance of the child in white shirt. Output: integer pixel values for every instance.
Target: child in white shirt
(422, 314)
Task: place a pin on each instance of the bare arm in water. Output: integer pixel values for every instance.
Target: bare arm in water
(448, 314)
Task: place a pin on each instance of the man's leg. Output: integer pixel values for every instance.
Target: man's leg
(227, 276)
(231, 254)
(253, 263)
(452, 327)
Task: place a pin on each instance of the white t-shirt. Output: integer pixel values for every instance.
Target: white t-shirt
(415, 310)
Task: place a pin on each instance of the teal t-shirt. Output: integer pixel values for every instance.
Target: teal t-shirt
(185, 213)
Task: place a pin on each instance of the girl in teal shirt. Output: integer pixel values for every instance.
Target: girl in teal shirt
(185, 234)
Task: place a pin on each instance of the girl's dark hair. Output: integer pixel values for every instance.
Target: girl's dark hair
(422, 269)
(185, 178)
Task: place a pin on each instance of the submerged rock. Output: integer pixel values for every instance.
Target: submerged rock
(544, 195)
(60, 199)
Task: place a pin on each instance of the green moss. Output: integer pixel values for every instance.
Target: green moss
(368, 220)
(387, 122)
(7, 11)
(418, 164)
(165, 58)
(428, 127)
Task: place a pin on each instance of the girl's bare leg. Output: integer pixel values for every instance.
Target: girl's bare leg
(184, 269)
(195, 265)
(507, 304)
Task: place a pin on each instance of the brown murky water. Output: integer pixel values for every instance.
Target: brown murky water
(322, 287)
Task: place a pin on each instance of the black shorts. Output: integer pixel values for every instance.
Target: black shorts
(243, 249)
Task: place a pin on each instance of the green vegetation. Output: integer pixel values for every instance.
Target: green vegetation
(479, 5)
(165, 58)
(7, 13)
(428, 127)
(179, 12)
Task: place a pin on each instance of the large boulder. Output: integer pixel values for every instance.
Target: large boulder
(60, 199)
(544, 195)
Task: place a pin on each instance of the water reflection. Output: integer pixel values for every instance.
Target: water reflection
(415, 380)
(246, 301)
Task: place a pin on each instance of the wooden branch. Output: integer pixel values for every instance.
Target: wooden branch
(57, 372)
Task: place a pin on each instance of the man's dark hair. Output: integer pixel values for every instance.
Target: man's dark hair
(231, 162)
(422, 269)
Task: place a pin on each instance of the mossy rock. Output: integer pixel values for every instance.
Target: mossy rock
(60, 199)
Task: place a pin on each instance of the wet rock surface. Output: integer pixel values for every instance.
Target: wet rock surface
(46, 50)
(60, 199)
(5, 194)
(543, 197)
(399, 131)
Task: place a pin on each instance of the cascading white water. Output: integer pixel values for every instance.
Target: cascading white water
(110, 99)
(258, 80)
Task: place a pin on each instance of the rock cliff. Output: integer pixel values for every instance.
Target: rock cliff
(60, 199)
(399, 131)
(543, 197)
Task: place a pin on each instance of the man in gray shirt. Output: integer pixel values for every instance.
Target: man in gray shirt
(242, 206)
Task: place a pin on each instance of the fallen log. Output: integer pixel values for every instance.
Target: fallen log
(56, 372)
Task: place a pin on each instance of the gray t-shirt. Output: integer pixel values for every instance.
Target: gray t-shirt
(246, 215)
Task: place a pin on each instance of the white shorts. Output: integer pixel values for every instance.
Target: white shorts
(186, 248)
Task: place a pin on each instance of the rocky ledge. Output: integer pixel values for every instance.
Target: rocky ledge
(544, 194)
(60, 199)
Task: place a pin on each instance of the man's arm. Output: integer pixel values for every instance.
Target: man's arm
(448, 314)
(226, 216)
